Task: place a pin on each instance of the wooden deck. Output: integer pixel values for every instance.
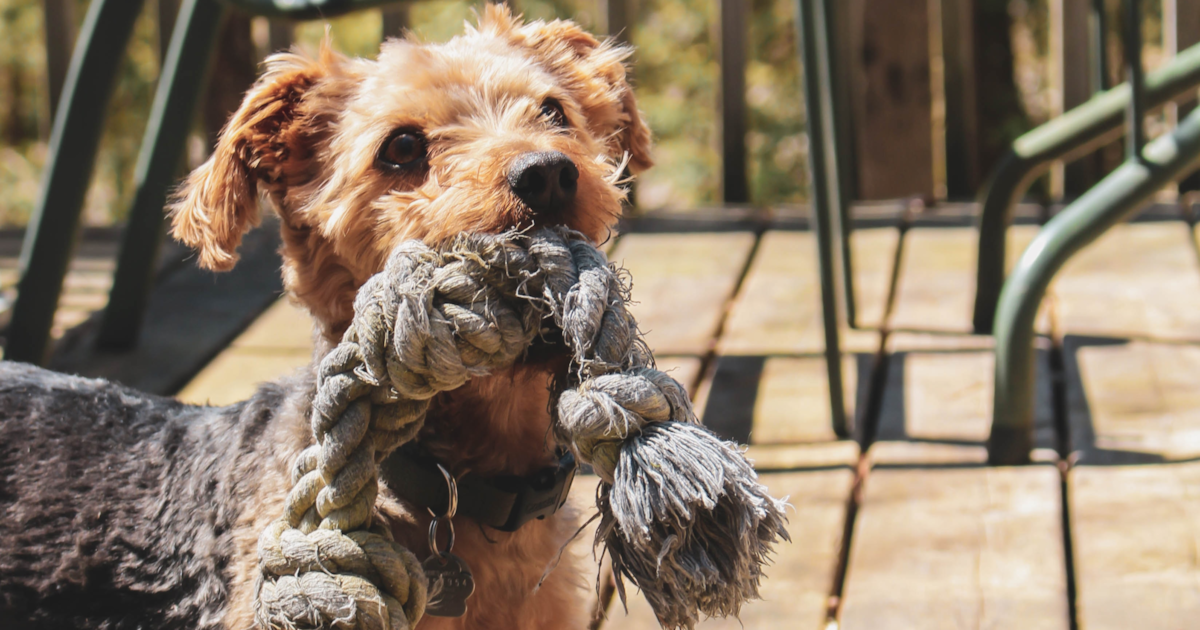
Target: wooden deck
(905, 526)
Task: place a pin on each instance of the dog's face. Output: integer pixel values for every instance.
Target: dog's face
(508, 126)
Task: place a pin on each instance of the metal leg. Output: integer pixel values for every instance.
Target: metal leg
(1076, 132)
(838, 162)
(1109, 202)
(823, 196)
(54, 225)
(175, 101)
(1135, 138)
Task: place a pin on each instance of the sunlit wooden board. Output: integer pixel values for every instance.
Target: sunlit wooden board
(682, 284)
(778, 400)
(1135, 531)
(1138, 279)
(947, 395)
(277, 344)
(778, 310)
(956, 548)
(936, 286)
(1133, 401)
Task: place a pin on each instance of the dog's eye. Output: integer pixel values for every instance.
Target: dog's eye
(404, 148)
(553, 110)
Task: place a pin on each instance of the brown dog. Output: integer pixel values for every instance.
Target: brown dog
(508, 126)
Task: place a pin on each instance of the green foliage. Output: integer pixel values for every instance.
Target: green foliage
(26, 124)
(22, 66)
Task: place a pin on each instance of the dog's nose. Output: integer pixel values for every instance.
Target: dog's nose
(545, 181)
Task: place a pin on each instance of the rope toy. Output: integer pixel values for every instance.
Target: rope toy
(682, 513)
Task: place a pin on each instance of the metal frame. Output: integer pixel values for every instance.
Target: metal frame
(175, 101)
(54, 225)
(826, 191)
(1113, 199)
(1073, 134)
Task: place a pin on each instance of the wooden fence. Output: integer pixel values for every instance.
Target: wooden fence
(927, 84)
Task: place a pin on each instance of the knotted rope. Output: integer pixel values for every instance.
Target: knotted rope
(682, 513)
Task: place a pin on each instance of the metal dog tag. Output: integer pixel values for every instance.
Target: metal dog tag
(450, 584)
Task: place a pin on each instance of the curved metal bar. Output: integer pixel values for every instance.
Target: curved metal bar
(1115, 198)
(53, 226)
(1076, 132)
(305, 9)
(175, 100)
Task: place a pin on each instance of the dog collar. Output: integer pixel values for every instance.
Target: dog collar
(504, 502)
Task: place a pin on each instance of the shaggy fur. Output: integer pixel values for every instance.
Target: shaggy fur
(121, 510)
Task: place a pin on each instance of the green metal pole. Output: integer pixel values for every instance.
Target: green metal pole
(816, 93)
(178, 94)
(1109, 202)
(1075, 133)
(54, 226)
(1098, 25)
(838, 161)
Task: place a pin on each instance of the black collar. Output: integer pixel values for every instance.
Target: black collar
(505, 502)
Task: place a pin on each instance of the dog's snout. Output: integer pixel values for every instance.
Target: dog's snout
(545, 181)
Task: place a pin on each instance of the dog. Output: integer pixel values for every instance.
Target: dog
(124, 510)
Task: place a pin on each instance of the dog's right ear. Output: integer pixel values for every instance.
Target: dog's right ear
(218, 203)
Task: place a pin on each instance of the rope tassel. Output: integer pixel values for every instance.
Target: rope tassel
(682, 513)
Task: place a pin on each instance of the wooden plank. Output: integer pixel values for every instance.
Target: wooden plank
(1138, 279)
(778, 400)
(936, 287)
(958, 61)
(892, 113)
(874, 260)
(1181, 30)
(1135, 532)
(948, 395)
(1070, 80)
(191, 316)
(235, 374)
(963, 547)
(768, 457)
(282, 327)
(937, 401)
(277, 344)
(681, 284)
(778, 310)
(795, 594)
(1132, 401)
(685, 369)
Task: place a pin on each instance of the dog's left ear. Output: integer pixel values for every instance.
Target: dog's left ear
(260, 149)
(594, 71)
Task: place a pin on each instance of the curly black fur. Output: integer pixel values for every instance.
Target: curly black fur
(117, 507)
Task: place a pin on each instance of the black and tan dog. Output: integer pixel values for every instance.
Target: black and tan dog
(122, 510)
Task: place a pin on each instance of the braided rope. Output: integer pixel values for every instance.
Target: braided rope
(429, 322)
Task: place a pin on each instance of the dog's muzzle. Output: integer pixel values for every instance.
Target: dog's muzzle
(504, 502)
